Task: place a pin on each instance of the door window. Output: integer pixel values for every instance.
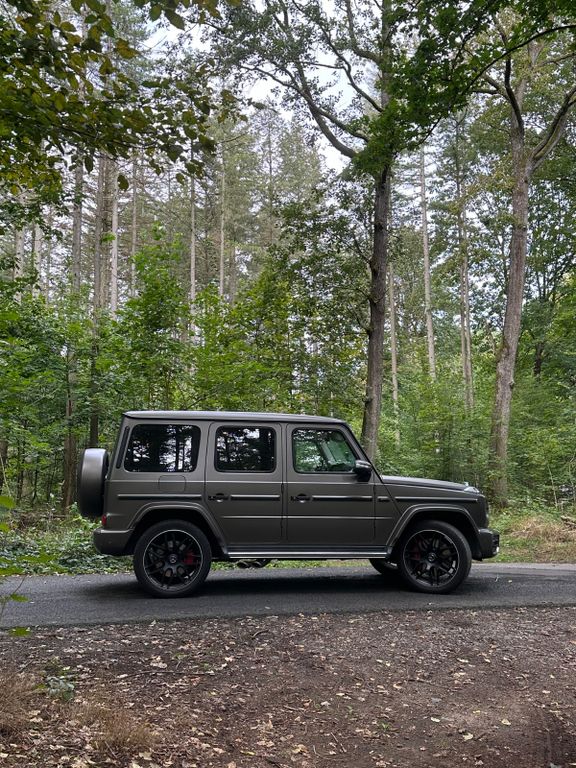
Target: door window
(163, 448)
(245, 449)
(321, 450)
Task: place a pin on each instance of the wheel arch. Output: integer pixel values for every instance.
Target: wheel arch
(191, 514)
(457, 516)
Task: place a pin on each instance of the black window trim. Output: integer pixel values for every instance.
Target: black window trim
(315, 428)
(245, 425)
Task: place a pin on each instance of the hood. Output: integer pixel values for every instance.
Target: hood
(426, 482)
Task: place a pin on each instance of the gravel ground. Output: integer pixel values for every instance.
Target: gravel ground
(477, 688)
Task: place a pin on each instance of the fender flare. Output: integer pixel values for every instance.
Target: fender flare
(430, 510)
(181, 506)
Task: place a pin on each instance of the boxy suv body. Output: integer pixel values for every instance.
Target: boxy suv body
(184, 488)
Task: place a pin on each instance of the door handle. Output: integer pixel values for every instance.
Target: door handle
(218, 497)
(302, 497)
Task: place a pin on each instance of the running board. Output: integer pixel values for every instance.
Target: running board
(382, 553)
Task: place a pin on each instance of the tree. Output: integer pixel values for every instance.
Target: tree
(530, 144)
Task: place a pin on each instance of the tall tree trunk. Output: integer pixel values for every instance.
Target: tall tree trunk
(134, 226)
(506, 359)
(98, 299)
(114, 238)
(221, 280)
(465, 323)
(70, 451)
(37, 249)
(427, 275)
(48, 255)
(77, 216)
(393, 351)
(377, 302)
(192, 238)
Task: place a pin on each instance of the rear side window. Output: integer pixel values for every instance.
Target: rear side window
(163, 448)
(245, 449)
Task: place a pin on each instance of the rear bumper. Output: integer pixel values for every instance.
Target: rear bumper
(112, 542)
(489, 541)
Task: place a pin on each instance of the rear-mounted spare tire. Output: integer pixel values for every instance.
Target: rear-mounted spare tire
(91, 475)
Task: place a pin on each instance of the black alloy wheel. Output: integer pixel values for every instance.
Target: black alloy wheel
(172, 559)
(434, 557)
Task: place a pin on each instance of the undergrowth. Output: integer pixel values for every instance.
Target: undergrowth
(531, 531)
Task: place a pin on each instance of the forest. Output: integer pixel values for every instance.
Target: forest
(362, 208)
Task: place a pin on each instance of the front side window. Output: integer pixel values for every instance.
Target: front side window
(163, 448)
(321, 450)
(245, 449)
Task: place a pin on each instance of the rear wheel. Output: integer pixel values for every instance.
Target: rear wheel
(434, 557)
(172, 559)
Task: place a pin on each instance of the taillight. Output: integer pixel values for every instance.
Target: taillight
(104, 520)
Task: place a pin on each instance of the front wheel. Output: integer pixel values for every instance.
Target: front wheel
(172, 559)
(434, 557)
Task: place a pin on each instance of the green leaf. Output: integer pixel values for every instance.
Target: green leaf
(7, 502)
(89, 163)
(17, 598)
(175, 19)
(155, 12)
(77, 5)
(125, 50)
(123, 182)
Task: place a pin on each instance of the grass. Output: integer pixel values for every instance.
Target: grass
(536, 532)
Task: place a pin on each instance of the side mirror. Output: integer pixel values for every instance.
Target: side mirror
(363, 470)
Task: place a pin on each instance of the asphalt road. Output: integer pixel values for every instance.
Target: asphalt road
(110, 599)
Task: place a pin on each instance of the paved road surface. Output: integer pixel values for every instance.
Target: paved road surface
(94, 599)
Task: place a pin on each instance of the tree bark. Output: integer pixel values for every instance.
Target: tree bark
(427, 275)
(221, 280)
(134, 226)
(70, 450)
(393, 352)
(377, 297)
(506, 359)
(77, 213)
(113, 179)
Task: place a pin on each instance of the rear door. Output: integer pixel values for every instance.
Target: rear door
(244, 481)
(327, 505)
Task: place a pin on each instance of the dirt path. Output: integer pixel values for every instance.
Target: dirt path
(472, 688)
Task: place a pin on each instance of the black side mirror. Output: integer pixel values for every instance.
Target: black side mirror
(363, 470)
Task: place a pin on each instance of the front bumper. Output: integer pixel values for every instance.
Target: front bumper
(489, 542)
(112, 542)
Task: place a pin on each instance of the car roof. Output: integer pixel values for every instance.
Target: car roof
(230, 416)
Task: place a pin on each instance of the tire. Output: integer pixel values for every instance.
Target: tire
(91, 475)
(385, 567)
(172, 559)
(434, 557)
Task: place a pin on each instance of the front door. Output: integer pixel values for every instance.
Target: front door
(327, 506)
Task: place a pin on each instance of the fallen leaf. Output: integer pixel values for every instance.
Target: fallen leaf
(467, 736)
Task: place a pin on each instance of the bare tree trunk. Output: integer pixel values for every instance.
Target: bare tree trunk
(113, 179)
(77, 214)
(393, 351)
(48, 256)
(19, 237)
(506, 359)
(70, 451)
(98, 301)
(134, 226)
(192, 240)
(377, 302)
(427, 276)
(222, 244)
(37, 249)
(232, 278)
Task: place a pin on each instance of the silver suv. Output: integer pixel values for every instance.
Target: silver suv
(184, 488)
